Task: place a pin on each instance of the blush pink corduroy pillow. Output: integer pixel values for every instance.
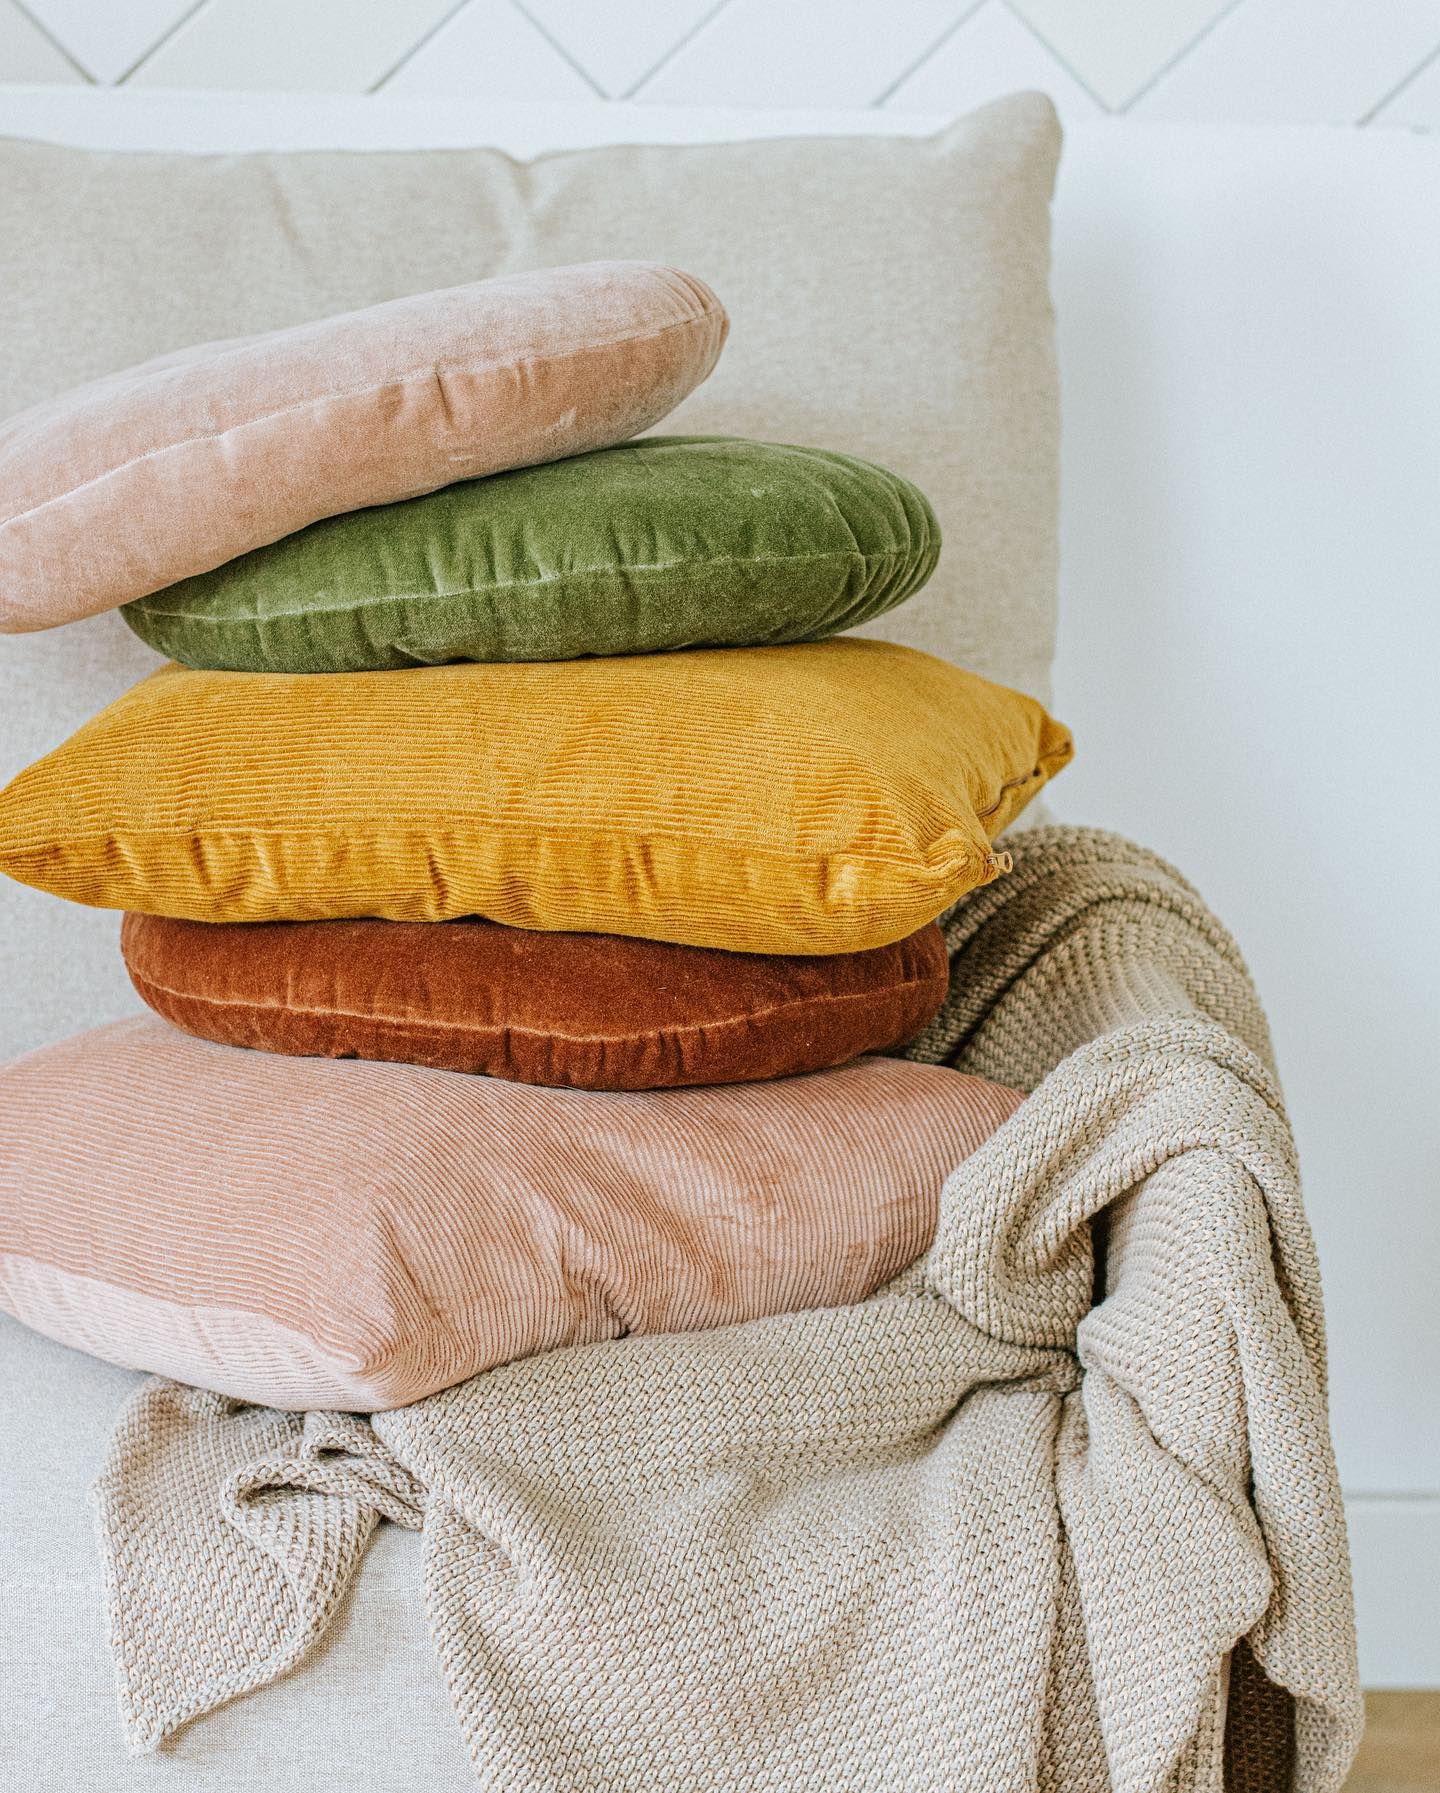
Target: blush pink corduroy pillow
(339, 1233)
(172, 468)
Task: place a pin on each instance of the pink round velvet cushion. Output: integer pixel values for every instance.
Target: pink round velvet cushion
(228, 446)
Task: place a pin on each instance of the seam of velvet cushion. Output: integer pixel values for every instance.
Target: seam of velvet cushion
(413, 376)
(480, 591)
(415, 1023)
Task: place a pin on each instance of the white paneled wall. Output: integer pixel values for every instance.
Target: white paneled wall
(1322, 61)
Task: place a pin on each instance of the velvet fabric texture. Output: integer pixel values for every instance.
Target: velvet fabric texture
(584, 1011)
(221, 448)
(667, 543)
(821, 798)
(335, 1233)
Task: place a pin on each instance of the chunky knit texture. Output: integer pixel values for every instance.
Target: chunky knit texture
(999, 1528)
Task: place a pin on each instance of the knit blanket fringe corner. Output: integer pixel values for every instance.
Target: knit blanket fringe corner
(1056, 1511)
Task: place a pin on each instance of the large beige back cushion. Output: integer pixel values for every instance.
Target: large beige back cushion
(888, 297)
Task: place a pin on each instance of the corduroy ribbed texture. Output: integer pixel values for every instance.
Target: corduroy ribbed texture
(224, 447)
(322, 1233)
(814, 799)
(996, 1530)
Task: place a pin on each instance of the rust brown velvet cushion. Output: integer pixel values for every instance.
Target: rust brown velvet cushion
(587, 1011)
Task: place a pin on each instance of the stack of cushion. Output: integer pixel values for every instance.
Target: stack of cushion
(518, 767)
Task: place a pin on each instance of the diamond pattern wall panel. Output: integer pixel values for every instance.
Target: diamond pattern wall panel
(1355, 61)
(109, 40)
(493, 51)
(1116, 47)
(338, 46)
(791, 53)
(1415, 102)
(619, 46)
(26, 53)
(992, 51)
(1298, 61)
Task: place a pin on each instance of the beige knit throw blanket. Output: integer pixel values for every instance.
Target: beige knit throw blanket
(1001, 1527)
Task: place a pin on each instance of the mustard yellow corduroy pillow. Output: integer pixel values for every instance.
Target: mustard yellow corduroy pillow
(813, 799)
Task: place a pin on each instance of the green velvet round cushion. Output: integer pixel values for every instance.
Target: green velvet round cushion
(669, 542)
